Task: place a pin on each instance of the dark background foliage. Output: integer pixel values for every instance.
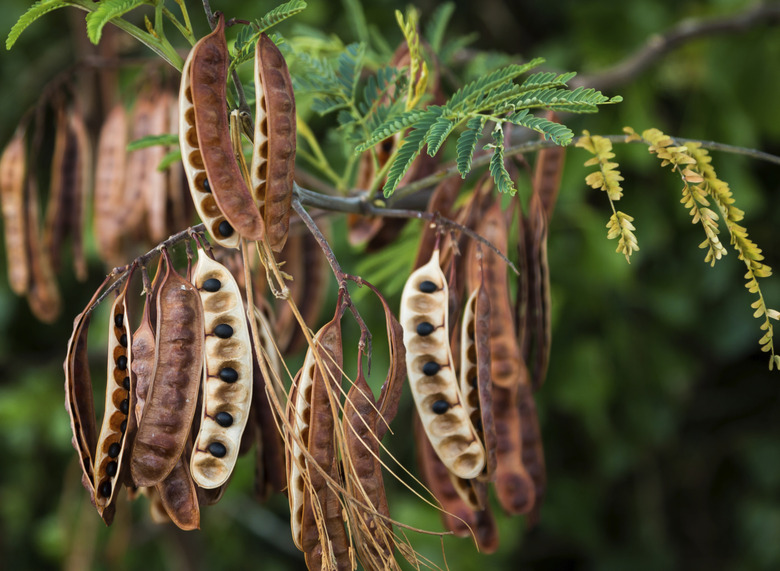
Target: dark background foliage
(659, 417)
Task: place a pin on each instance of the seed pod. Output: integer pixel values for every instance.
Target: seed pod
(227, 384)
(170, 405)
(109, 186)
(44, 294)
(208, 71)
(155, 182)
(372, 535)
(143, 347)
(548, 171)
(533, 452)
(273, 158)
(12, 196)
(311, 416)
(442, 200)
(179, 206)
(118, 428)
(179, 498)
(430, 368)
(475, 373)
(194, 168)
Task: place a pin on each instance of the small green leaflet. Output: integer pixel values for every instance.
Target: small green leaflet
(33, 13)
(498, 171)
(436, 135)
(106, 11)
(467, 142)
(434, 31)
(280, 13)
(153, 140)
(555, 132)
(408, 151)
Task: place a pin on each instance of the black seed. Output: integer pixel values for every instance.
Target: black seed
(229, 375)
(212, 285)
(126, 383)
(431, 368)
(217, 449)
(225, 229)
(105, 489)
(123, 426)
(206, 185)
(124, 406)
(428, 286)
(440, 406)
(478, 425)
(473, 381)
(223, 331)
(111, 469)
(114, 449)
(425, 328)
(123, 340)
(224, 419)
(121, 362)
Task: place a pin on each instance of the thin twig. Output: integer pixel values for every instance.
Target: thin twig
(334, 265)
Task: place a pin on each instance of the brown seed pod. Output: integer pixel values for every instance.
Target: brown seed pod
(548, 171)
(442, 201)
(194, 167)
(475, 373)
(431, 371)
(227, 384)
(273, 158)
(12, 196)
(143, 347)
(170, 405)
(155, 182)
(179, 498)
(44, 294)
(118, 427)
(208, 71)
(109, 186)
(311, 416)
(533, 452)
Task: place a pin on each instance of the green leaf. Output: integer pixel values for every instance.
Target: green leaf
(479, 87)
(498, 171)
(173, 157)
(410, 148)
(348, 68)
(280, 13)
(152, 141)
(33, 13)
(357, 19)
(436, 135)
(434, 31)
(106, 11)
(390, 127)
(467, 142)
(557, 133)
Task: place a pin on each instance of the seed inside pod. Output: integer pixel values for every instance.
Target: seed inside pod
(431, 368)
(114, 449)
(225, 229)
(105, 489)
(440, 406)
(111, 469)
(206, 185)
(119, 320)
(428, 286)
(425, 328)
(123, 340)
(223, 331)
(123, 426)
(228, 374)
(126, 383)
(217, 449)
(224, 419)
(121, 362)
(212, 285)
(124, 406)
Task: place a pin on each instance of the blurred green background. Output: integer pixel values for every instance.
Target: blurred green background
(659, 417)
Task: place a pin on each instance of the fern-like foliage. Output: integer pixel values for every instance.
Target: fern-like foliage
(437, 25)
(702, 188)
(467, 142)
(34, 12)
(498, 170)
(244, 46)
(105, 12)
(608, 178)
(280, 13)
(334, 82)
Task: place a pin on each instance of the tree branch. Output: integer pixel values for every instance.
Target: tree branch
(659, 45)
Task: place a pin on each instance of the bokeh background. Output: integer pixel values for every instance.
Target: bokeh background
(660, 420)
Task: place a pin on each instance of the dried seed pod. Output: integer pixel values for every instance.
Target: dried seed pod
(311, 416)
(548, 171)
(44, 294)
(170, 405)
(273, 158)
(12, 196)
(208, 71)
(475, 373)
(143, 347)
(109, 186)
(533, 451)
(118, 427)
(179, 498)
(227, 384)
(194, 167)
(430, 368)
(442, 200)
(155, 182)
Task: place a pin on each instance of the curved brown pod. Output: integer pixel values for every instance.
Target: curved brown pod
(179, 498)
(44, 295)
(12, 197)
(273, 157)
(143, 347)
(118, 425)
(170, 406)
(208, 72)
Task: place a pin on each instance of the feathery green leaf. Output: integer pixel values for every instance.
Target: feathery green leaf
(392, 126)
(498, 170)
(467, 142)
(479, 87)
(106, 11)
(280, 13)
(152, 141)
(33, 13)
(556, 132)
(436, 135)
(408, 151)
(434, 31)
